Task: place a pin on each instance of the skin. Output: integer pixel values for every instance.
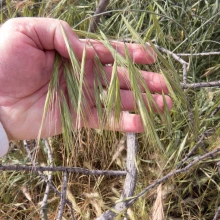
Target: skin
(28, 47)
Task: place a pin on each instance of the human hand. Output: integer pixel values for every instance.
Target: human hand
(28, 47)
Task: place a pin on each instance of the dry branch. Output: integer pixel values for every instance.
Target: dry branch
(100, 8)
(130, 180)
(177, 58)
(201, 85)
(215, 111)
(58, 194)
(76, 170)
(190, 114)
(218, 167)
(198, 54)
(63, 196)
(184, 73)
(43, 208)
(185, 66)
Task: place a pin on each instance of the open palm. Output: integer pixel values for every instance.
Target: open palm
(28, 47)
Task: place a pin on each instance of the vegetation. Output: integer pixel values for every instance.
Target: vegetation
(189, 26)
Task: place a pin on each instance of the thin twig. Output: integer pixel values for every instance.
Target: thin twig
(193, 149)
(218, 167)
(184, 67)
(172, 173)
(43, 207)
(172, 54)
(175, 55)
(63, 196)
(40, 172)
(200, 85)
(186, 85)
(76, 170)
(215, 111)
(190, 113)
(43, 211)
(198, 54)
(217, 214)
(58, 194)
(130, 180)
(95, 20)
(26, 146)
(2, 3)
(202, 136)
(184, 74)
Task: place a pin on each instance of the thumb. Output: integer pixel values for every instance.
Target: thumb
(46, 34)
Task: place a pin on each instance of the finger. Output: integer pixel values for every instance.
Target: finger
(127, 123)
(159, 102)
(154, 81)
(138, 53)
(128, 101)
(46, 34)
